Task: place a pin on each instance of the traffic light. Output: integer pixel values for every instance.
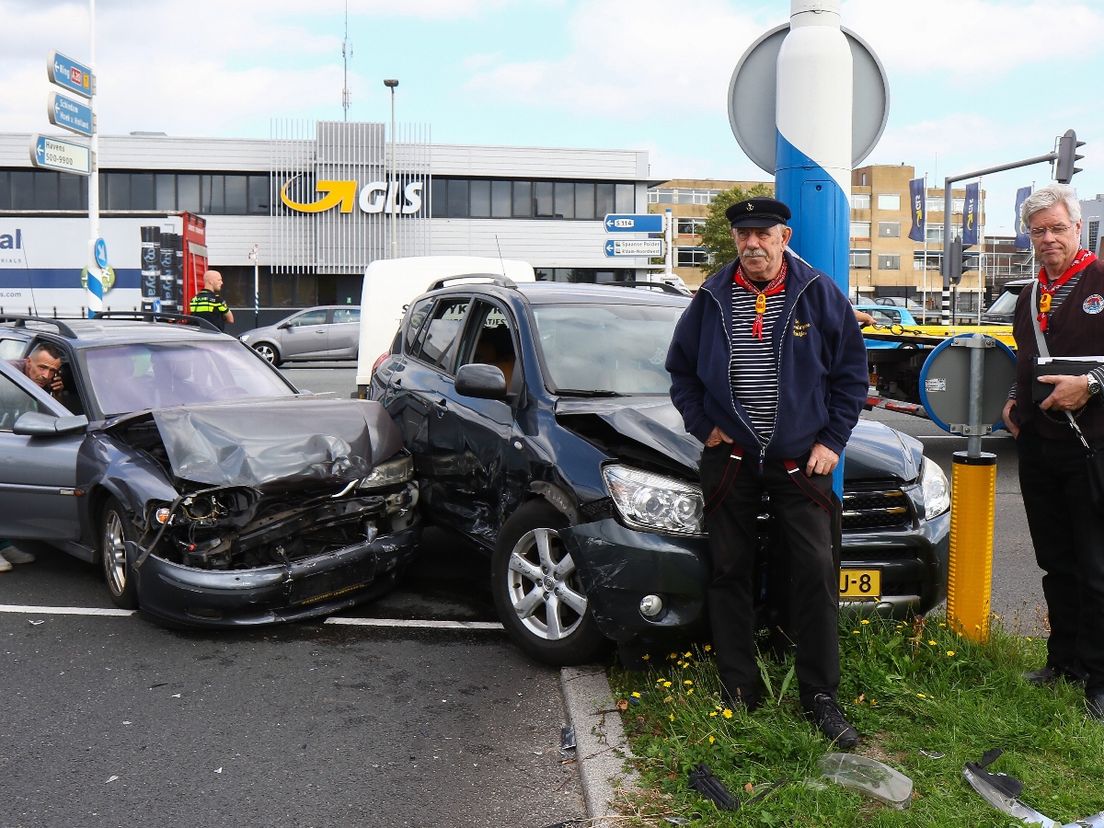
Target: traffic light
(955, 262)
(1064, 168)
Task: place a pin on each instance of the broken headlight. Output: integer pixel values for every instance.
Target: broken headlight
(391, 473)
(653, 501)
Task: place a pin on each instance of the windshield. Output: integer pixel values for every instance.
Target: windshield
(1004, 304)
(606, 348)
(136, 376)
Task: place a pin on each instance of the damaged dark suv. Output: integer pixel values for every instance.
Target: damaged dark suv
(541, 427)
(209, 490)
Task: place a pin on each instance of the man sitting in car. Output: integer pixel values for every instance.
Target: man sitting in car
(43, 366)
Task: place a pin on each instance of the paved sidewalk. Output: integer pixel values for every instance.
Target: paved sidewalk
(601, 747)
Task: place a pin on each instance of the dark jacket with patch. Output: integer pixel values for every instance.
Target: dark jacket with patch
(1076, 328)
(822, 367)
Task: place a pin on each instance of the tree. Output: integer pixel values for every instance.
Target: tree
(716, 235)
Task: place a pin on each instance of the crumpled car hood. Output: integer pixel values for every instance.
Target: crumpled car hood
(288, 440)
(875, 451)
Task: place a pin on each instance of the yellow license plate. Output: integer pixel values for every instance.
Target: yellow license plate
(860, 584)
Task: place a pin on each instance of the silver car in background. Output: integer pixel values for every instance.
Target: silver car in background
(322, 332)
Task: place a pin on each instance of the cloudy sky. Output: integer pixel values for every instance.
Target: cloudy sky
(973, 83)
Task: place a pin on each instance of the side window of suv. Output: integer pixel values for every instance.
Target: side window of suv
(414, 321)
(490, 341)
(13, 402)
(438, 343)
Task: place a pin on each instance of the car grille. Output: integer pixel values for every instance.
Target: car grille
(877, 506)
(596, 510)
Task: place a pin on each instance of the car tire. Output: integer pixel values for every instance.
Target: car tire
(553, 626)
(269, 352)
(118, 569)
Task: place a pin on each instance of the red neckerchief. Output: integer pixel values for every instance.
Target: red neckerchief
(775, 285)
(1047, 288)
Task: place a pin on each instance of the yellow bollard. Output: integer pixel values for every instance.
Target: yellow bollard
(970, 564)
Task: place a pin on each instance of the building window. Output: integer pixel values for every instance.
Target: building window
(889, 261)
(480, 194)
(889, 201)
(691, 256)
(860, 201)
(934, 233)
(500, 199)
(860, 259)
(1094, 234)
(690, 226)
(860, 229)
(889, 229)
(933, 260)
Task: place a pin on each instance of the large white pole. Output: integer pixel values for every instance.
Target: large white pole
(94, 291)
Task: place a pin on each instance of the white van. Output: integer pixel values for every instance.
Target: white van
(390, 284)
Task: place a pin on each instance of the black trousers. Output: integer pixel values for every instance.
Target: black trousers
(1068, 535)
(809, 530)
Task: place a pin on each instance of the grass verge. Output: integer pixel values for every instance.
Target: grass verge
(926, 702)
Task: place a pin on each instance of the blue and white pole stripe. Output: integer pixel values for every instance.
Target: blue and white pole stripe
(813, 117)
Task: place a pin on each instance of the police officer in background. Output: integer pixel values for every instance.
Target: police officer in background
(208, 303)
(768, 370)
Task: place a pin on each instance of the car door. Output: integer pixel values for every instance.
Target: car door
(39, 494)
(305, 335)
(344, 333)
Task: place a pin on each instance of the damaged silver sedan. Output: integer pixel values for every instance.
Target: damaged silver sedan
(207, 488)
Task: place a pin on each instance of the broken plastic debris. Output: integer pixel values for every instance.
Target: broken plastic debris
(36, 621)
(218, 770)
(704, 782)
(111, 778)
(567, 740)
(932, 754)
(1002, 792)
(868, 776)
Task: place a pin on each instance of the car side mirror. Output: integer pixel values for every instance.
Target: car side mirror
(486, 382)
(37, 424)
(283, 326)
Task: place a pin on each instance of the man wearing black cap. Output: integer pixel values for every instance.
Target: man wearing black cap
(769, 371)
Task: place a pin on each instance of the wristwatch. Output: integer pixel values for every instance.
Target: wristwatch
(1094, 385)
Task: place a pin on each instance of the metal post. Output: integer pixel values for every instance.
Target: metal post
(94, 292)
(391, 83)
(254, 254)
(669, 234)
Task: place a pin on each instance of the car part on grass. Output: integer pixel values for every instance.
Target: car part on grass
(1003, 791)
(868, 776)
(704, 782)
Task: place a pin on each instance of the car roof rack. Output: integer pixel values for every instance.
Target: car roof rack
(663, 286)
(159, 316)
(21, 320)
(493, 278)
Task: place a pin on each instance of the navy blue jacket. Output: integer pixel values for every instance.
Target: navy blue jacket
(822, 367)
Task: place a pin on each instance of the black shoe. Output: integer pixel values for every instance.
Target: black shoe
(1094, 704)
(1046, 676)
(829, 719)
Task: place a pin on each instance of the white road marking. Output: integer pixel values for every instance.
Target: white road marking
(426, 625)
(27, 609)
(23, 608)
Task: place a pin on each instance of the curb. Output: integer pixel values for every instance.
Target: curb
(601, 748)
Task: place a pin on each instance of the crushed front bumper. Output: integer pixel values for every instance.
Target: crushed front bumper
(315, 586)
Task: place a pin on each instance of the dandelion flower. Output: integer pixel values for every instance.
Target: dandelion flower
(687, 682)
(950, 653)
(712, 714)
(708, 648)
(671, 717)
(688, 654)
(646, 657)
(635, 694)
(727, 713)
(666, 683)
(712, 739)
(690, 692)
(933, 643)
(865, 621)
(921, 696)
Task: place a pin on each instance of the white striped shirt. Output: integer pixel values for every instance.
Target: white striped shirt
(752, 369)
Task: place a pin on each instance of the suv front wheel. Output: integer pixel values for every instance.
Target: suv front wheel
(536, 589)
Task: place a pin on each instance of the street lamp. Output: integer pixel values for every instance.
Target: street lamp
(391, 83)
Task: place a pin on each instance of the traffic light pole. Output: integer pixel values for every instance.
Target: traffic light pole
(948, 267)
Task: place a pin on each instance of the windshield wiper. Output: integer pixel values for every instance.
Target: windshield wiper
(587, 392)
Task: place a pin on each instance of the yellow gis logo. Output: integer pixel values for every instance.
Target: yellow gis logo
(375, 197)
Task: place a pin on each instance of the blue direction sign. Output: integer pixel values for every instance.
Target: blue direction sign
(99, 250)
(634, 247)
(69, 114)
(60, 155)
(68, 74)
(629, 223)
